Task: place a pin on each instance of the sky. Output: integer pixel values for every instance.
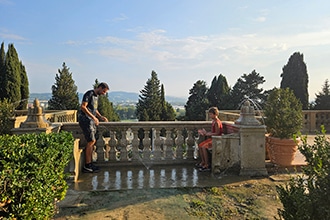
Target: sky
(122, 41)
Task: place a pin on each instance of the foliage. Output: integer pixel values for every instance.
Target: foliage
(24, 88)
(283, 113)
(168, 113)
(105, 107)
(322, 101)
(32, 175)
(152, 105)
(307, 196)
(125, 112)
(2, 70)
(218, 93)
(295, 77)
(6, 114)
(64, 91)
(247, 86)
(197, 103)
(13, 79)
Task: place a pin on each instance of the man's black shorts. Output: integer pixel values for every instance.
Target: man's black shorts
(89, 128)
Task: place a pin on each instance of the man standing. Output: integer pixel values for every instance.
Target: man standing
(88, 119)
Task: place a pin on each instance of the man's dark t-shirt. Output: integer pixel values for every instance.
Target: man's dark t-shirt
(92, 99)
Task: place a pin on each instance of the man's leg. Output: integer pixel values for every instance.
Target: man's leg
(89, 151)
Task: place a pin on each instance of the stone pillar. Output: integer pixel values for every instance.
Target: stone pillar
(252, 141)
(252, 149)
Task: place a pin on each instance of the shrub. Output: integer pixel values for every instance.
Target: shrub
(32, 175)
(307, 196)
(6, 113)
(283, 113)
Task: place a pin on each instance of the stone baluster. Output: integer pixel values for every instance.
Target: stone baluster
(175, 145)
(123, 145)
(190, 143)
(146, 144)
(179, 143)
(157, 144)
(106, 148)
(168, 143)
(113, 145)
(129, 146)
(135, 143)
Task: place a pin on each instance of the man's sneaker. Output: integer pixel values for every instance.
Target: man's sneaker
(90, 168)
(204, 169)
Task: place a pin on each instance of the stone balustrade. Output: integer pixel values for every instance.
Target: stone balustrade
(143, 142)
(53, 116)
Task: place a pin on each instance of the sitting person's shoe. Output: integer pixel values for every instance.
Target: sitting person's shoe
(90, 168)
(204, 169)
(198, 165)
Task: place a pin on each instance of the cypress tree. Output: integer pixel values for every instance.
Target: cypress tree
(218, 92)
(24, 88)
(295, 77)
(12, 82)
(168, 113)
(64, 91)
(2, 70)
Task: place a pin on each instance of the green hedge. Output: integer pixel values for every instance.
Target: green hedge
(307, 196)
(32, 175)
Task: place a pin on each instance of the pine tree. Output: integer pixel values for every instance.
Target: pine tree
(149, 106)
(12, 82)
(105, 107)
(295, 77)
(322, 101)
(64, 91)
(247, 86)
(24, 88)
(197, 103)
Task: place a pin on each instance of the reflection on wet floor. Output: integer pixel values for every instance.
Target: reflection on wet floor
(121, 178)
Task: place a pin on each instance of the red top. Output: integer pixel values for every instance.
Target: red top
(217, 123)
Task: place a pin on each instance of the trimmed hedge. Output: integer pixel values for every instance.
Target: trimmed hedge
(32, 175)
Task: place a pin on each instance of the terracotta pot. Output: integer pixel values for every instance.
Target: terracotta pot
(282, 151)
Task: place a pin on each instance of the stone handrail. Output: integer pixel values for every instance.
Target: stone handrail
(50, 115)
(312, 119)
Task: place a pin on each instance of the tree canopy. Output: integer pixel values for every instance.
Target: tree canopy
(14, 84)
(322, 101)
(64, 91)
(247, 86)
(218, 92)
(152, 105)
(295, 77)
(197, 103)
(105, 107)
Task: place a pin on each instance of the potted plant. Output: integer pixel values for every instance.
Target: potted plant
(283, 118)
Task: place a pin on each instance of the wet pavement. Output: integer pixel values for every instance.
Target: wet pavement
(141, 177)
(169, 176)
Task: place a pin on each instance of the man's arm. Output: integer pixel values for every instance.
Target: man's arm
(84, 109)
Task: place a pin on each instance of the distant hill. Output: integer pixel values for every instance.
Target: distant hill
(116, 97)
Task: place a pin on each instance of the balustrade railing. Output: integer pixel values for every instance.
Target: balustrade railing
(144, 142)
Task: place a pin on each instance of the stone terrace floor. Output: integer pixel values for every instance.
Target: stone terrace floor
(169, 176)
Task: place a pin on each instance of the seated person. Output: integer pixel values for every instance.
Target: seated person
(203, 147)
